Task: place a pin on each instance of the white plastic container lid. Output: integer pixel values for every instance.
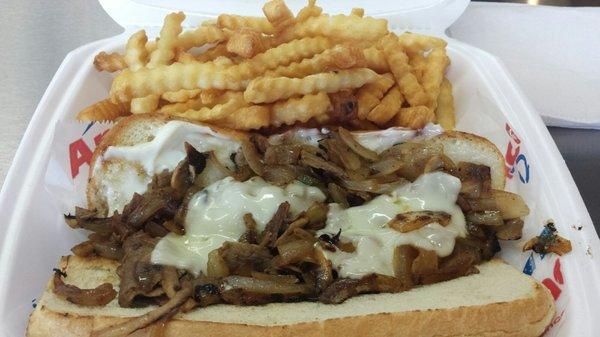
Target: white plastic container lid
(432, 15)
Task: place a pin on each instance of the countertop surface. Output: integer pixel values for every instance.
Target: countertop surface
(37, 35)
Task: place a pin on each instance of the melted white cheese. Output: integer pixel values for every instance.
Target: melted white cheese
(377, 141)
(365, 226)
(215, 215)
(163, 152)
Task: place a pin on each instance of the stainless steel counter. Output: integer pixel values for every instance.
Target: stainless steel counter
(38, 34)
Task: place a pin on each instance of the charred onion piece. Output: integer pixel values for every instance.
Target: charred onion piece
(510, 205)
(279, 174)
(196, 159)
(548, 242)
(314, 161)
(512, 230)
(126, 328)
(240, 256)
(403, 260)
(99, 296)
(252, 157)
(488, 218)
(170, 281)
(272, 228)
(410, 221)
(282, 154)
(251, 233)
(338, 194)
(347, 137)
(269, 287)
(476, 179)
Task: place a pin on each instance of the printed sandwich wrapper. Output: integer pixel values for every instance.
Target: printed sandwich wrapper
(50, 170)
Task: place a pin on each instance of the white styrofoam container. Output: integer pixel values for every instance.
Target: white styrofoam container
(48, 175)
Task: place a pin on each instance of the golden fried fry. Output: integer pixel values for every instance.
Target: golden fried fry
(213, 53)
(418, 63)
(415, 117)
(278, 14)
(219, 111)
(376, 60)
(339, 57)
(247, 118)
(184, 57)
(180, 96)
(109, 62)
(371, 94)
(398, 62)
(433, 74)
(342, 27)
(415, 43)
(246, 43)
(360, 12)
(175, 108)
(211, 97)
(165, 47)
(235, 22)
(101, 111)
(136, 55)
(200, 36)
(388, 107)
(144, 105)
(271, 89)
(444, 114)
(310, 10)
(300, 109)
(174, 77)
(281, 55)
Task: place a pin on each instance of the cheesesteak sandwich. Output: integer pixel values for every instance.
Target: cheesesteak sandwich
(200, 231)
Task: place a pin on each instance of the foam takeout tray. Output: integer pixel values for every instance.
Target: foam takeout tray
(49, 172)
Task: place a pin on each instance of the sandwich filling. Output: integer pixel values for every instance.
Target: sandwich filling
(310, 214)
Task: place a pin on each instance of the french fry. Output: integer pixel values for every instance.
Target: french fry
(173, 77)
(163, 54)
(109, 62)
(444, 114)
(415, 117)
(376, 60)
(136, 55)
(144, 105)
(339, 57)
(104, 110)
(418, 63)
(278, 14)
(246, 43)
(271, 89)
(388, 107)
(200, 36)
(184, 57)
(217, 112)
(371, 94)
(180, 96)
(235, 22)
(211, 97)
(415, 43)
(341, 27)
(433, 74)
(398, 62)
(165, 47)
(300, 109)
(175, 108)
(310, 10)
(213, 53)
(281, 55)
(360, 12)
(247, 118)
